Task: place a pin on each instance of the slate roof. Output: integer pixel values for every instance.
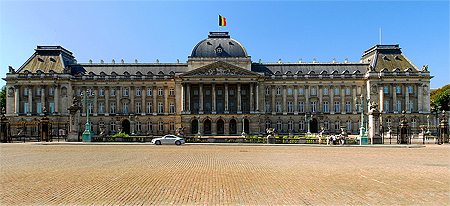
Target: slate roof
(229, 46)
(308, 68)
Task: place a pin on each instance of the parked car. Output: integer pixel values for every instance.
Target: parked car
(169, 139)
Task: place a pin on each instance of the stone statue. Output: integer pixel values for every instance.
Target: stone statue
(424, 68)
(11, 70)
(270, 132)
(180, 131)
(102, 132)
(371, 69)
(374, 105)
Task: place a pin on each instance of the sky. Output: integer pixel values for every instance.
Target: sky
(167, 31)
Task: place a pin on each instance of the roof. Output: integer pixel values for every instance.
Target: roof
(48, 59)
(219, 44)
(310, 68)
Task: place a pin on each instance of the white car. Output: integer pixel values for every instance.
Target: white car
(168, 139)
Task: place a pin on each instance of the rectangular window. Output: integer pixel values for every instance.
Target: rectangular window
(52, 107)
(301, 125)
(244, 92)
(313, 106)
(267, 90)
(113, 92)
(325, 91)
(102, 92)
(138, 107)
(172, 126)
(160, 92)
(326, 125)
(278, 91)
(325, 107)
(347, 90)
(138, 92)
(357, 106)
(399, 106)
(195, 92)
(268, 125)
(267, 106)
(313, 91)
(149, 107)
(290, 125)
(90, 92)
(25, 108)
(196, 106)
(397, 89)
(149, 92)
(386, 106)
(337, 125)
(172, 107)
(219, 92)
(231, 92)
(386, 89)
(125, 108)
(161, 126)
(279, 107)
(112, 108)
(336, 107)
(113, 126)
(207, 92)
(300, 91)
(52, 91)
(348, 107)
(172, 92)
(125, 92)
(290, 108)
(279, 126)
(336, 91)
(410, 105)
(138, 126)
(410, 89)
(150, 126)
(301, 107)
(160, 107)
(79, 92)
(219, 107)
(349, 125)
(91, 108)
(289, 91)
(101, 108)
(358, 91)
(39, 91)
(39, 107)
(25, 92)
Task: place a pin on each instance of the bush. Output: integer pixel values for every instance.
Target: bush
(285, 137)
(256, 136)
(296, 137)
(123, 134)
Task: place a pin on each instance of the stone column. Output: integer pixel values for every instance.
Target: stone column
(188, 97)
(257, 97)
(420, 97)
(252, 108)
(56, 98)
(183, 100)
(295, 99)
(273, 106)
(30, 99)
(143, 96)
(306, 92)
(155, 103)
(353, 99)
(43, 98)
(200, 104)
(16, 99)
(118, 100)
(343, 100)
(226, 98)
(320, 103)
(131, 95)
(331, 107)
(214, 98)
(96, 93)
(166, 100)
(407, 99)
(284, 107)
(239, 98)
(394, 97)
(106, 102)
(381, 97)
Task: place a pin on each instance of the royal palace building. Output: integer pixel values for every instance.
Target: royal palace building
(220, 91)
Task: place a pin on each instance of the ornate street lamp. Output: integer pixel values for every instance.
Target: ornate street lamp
(198, 124)
(87, 134)
(132, 118)
(362, 133)
(428, 124)
(307, 120)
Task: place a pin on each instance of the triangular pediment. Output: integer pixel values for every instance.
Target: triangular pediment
(220, 69)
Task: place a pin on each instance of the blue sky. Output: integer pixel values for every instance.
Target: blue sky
(290, 30)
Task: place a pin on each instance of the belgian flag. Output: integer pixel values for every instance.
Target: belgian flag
(222, 21)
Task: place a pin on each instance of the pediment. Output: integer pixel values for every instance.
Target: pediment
(220, 69)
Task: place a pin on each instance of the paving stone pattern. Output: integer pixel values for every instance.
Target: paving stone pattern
(33, 174)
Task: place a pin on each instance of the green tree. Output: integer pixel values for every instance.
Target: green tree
(3, 97)
(440, 99)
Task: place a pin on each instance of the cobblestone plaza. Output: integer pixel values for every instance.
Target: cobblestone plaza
(37, 174)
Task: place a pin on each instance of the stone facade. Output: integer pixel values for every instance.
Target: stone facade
(220, 88)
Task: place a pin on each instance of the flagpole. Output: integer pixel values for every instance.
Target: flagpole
(218, 25)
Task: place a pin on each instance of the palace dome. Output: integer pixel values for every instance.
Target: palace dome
(219, 44)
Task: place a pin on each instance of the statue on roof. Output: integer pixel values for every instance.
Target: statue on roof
(371, 69)
(424, 68)
(11, 70)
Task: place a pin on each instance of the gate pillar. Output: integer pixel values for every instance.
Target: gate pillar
(45, 127)
(4, 127)
(443, 128)
(403, 130)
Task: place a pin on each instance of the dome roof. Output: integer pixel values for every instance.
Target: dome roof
(219, 44)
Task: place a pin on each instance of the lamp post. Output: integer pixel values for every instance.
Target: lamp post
(243, 125)
(87, 134)
(308, 119)
(362, 133)
(428, 124)
(132, 118)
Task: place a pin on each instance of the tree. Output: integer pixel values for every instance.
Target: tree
(3, 97)
(440, 99)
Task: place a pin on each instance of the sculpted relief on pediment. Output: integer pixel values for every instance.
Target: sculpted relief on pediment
(220, 71)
